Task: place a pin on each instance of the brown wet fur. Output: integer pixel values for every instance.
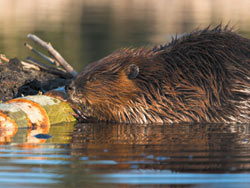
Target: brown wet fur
(203, 76)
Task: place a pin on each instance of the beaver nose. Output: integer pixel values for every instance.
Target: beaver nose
(70, 88)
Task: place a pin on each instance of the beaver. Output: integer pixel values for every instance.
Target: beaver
(203, 76)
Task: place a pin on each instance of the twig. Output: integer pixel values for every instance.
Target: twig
(4, 58)
(48, 68)
(48, 59)
(54, 53)
(29, 65)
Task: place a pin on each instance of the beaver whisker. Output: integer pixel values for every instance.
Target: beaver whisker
(79, 115)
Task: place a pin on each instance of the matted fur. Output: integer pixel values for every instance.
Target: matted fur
(203, 76)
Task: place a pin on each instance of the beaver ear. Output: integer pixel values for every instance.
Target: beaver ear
(132, 71)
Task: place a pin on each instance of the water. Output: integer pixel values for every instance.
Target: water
(110, 155)
(102, 155)
(87, 30)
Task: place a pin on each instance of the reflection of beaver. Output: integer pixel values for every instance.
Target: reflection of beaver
(199, 148)
(201, 77)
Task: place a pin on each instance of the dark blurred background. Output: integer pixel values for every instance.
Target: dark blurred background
(87, 30)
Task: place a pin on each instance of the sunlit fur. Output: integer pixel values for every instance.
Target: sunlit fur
(201, 77)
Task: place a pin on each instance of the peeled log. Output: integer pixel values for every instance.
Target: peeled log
(38, 110)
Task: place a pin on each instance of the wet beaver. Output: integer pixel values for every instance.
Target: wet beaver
(203, 76)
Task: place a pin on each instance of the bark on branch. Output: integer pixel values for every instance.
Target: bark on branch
(54, 53)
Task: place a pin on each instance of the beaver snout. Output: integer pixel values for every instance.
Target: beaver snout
(70, 88)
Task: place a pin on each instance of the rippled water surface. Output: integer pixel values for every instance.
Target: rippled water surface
(110, 155)
(104, 155)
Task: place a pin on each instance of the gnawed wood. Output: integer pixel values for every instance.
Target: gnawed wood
(11, 114)
(37, 110)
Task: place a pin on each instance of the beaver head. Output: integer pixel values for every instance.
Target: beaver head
(123, 87)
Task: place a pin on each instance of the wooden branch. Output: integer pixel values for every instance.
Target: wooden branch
(48, 68)
(48, 59)
(4, 58)
(54, 53)
(28, 65)
(39, 110)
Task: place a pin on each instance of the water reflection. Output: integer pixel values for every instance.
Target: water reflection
(90, 154)
(179, 148)
(33, 137)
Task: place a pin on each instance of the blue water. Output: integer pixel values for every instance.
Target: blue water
(168, 177)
